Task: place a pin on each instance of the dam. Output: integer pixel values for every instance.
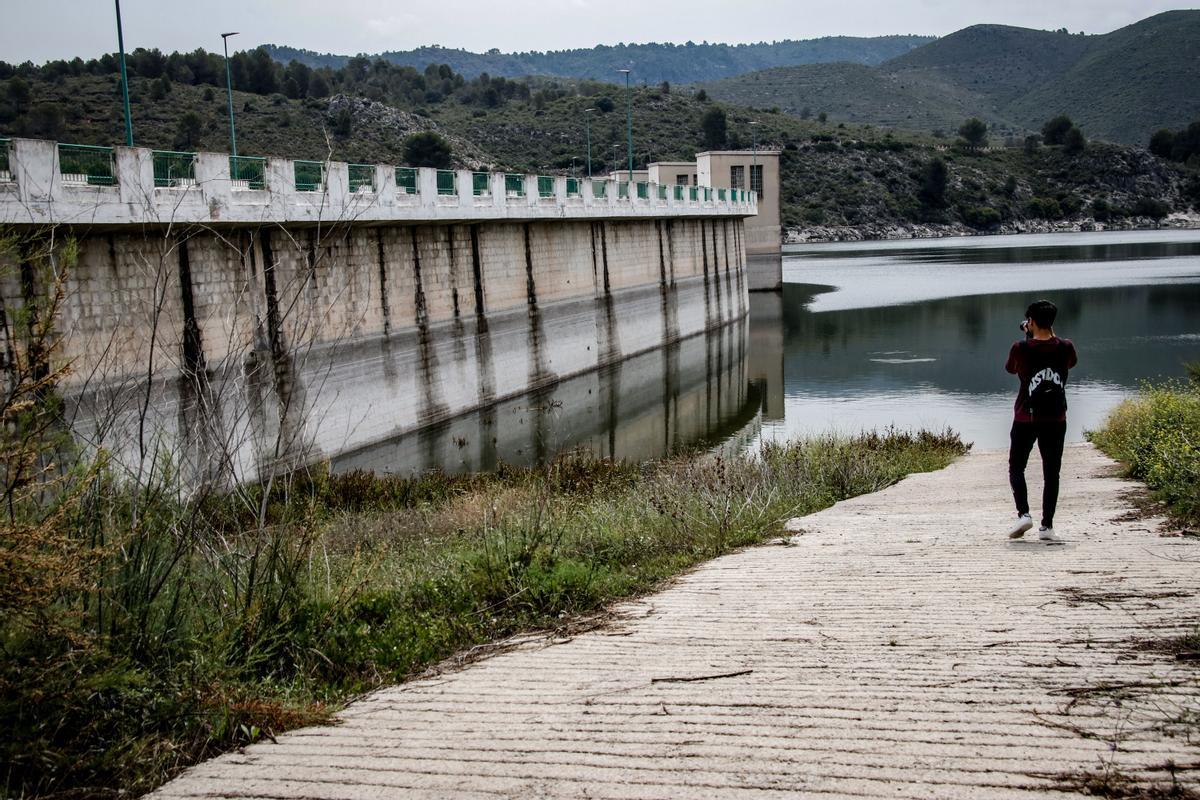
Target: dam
(233, 316)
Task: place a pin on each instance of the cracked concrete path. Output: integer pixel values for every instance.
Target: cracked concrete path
(900, 647)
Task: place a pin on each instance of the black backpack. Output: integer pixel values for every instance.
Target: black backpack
(1047, 396)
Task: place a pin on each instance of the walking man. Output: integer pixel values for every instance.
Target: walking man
(1041, 361)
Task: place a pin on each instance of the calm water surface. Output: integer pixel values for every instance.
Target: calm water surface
(915, 333)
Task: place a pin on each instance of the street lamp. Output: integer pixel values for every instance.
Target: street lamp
(587, 118)
(229, 91)
(754, 158)
(124, 79)
(629, 119)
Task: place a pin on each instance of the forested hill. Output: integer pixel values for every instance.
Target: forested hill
(1120, 86)
(652, 62)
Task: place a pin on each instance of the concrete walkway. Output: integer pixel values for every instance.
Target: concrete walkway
(900, 647)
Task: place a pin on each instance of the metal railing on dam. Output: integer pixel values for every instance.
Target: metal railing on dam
(42, 181)
(250, 313)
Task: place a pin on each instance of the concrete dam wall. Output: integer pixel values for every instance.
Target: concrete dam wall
(243, 346)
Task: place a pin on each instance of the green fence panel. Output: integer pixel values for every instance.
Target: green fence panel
(362, 176)
(172, 169)
(445, 182)
(573, 187)
(662, 191)
(406, 179)
(251, 169)
(693, 193)
(643, 191)
(720, 194)
(514, 185)
(309, 176)
(5, 170)
(83, 163)
(622, 190)
(678, 192)
(599, 188)
(545, 186)
(481, 184)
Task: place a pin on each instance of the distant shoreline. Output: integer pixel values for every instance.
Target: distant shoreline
(867, 233)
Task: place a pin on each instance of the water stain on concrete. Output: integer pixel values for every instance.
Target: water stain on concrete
(429, 379)
(485, 375)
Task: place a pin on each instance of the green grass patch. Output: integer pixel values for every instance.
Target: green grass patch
(1156, 435)
(197, 626)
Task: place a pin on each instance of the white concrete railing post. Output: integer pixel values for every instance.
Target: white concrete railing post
(499, 195)
(530, 183)
(34, 166)
(464, 184)
(279, 176)
(213, 178)
(385, 185)
(560, 190)
(337, 185)
(135, 174)
(427, 186)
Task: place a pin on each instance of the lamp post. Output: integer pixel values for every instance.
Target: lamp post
(629, 119)
(754, 158)
(587, 118)
(124, 79)
(229, 92)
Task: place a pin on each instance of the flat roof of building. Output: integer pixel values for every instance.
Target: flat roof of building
(671, 164)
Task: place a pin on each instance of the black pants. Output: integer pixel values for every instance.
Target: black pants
(1049, 437)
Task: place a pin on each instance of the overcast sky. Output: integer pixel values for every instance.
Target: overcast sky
(39, 30)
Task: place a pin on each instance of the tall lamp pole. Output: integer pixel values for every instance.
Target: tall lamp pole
(229, 92)
(629, 119)
(124, 79)
(754, 158)
(587, 117)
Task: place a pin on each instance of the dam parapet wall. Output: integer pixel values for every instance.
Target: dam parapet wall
(49, 182)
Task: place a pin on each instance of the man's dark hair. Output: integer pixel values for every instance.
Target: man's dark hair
(1042, 312)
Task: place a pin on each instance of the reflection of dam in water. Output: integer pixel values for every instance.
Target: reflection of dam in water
(698, 391)
(692, 392)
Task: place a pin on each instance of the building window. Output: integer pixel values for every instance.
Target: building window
(737, 177)
(681, 180)
(756, 184)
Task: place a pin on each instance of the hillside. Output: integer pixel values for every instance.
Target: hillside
(1128, 83)
(651, 62)
(833, 174)
(854, 93)
(996, 62)
(1121, 86)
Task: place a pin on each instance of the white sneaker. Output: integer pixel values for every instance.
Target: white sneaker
(1047, 534)
(1023, 523)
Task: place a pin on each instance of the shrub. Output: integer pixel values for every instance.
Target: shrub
(1157, 437)
(982, 218)
(974, 132)
(1054, 132)
(1074, 142)
(1044, 208)
(1150, 207)
(427, 149)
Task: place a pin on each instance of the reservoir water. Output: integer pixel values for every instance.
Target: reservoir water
(863, 335)
(915, 333)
